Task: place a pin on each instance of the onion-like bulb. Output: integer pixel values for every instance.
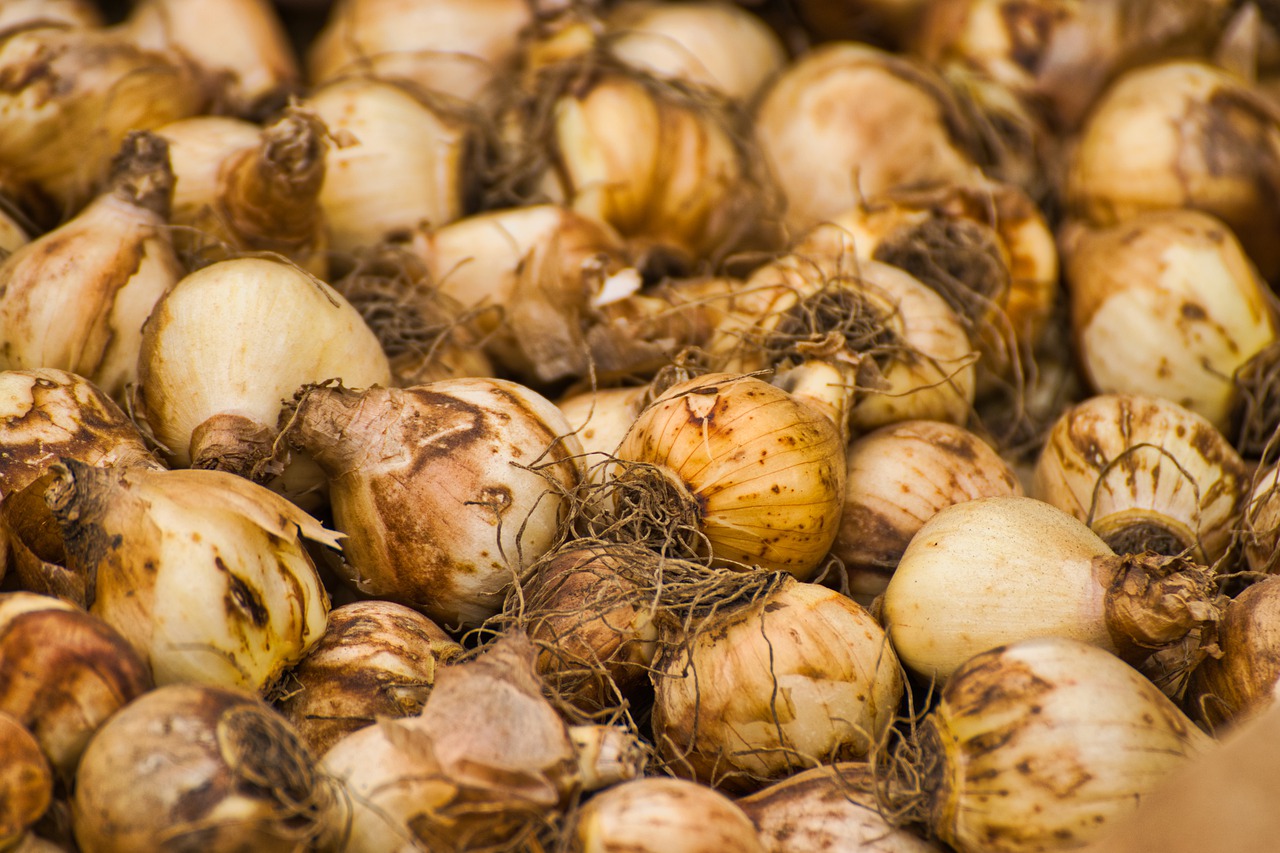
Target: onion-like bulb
(1000, 570)
(600, 419)
(242, 188)
(759, 473)
(26, 782)
(1144, 474)
(66, 672)
(719, 45)
(530, 277)
(203, 572)
(1240, 683)
(800, 675)
(240, 47)
(192, 766)
(1044, 744)
(832, 808)
(376, 659)
(899, 477)
(487, 762)
(1259, 524)
(76, 298)
(1167, 304)
(449, 47)
(228, 344)
(663, 815)
(823, 121)
(398, 162)
(76, 94)
(1182, 135)
(505, 452)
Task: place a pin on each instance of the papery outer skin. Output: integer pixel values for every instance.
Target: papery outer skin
(201, 571)
(720, 46)
(663, 815)
(766, 470)
(1260, 522)
(241, 336)
(400, 164)
(992, 571)
(25, 779)
(112, 262)
(829, 809)
(1046, 742)
(425, 483)
(1228, 691)
(1167, 305)
(1163, 463)
(448, 48)
(600, 420)
(899, 476)
(804, 676)
(823, 120)
(1181, 134)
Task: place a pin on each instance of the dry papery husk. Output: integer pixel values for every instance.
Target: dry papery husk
(782, 676)
(1259, 523)
(900, 476)
(506, 454)
(71, 97)
(452, 48)
(984, 247)
(669, 165)
(835, 808)
(203, 572)
(1145, 474)
(1039, 745)
(663, 815)
(200, 767)
(899, 350)
(397, 161)
(227, 346)
(530, 278)
(1182, 135)
(1255, 406)
(999, 570)
(1240, 682)
(239, 47)
(427, 334)
(26, 782)
(76, 298)
(730, 469)
(376, 659)
(1059, 54)
(822, 124)
(1166, 304)
(63, 672)
(241, 187)
(488, 765)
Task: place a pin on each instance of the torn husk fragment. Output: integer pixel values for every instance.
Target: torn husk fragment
(1154, 601)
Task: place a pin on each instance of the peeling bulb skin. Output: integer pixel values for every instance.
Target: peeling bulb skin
(444, 490)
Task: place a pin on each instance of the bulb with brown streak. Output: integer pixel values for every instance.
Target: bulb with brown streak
(1166, 304)
(63, 672)
(228, 345)
(793, 676)
(900, 476)
(1182, 135)
(663, 815)
(203, 572)
(1043, 745)
(193, 766)
(529, 278)
(1145, 474)
(823, 121)
(26, 782)
(243, 188)
(396, 162)
(239, 47)
(77, 297)
(999, 570)
(734, 469)
(68, 98)
(506, 454)
(376, 659)
(1241, 682)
